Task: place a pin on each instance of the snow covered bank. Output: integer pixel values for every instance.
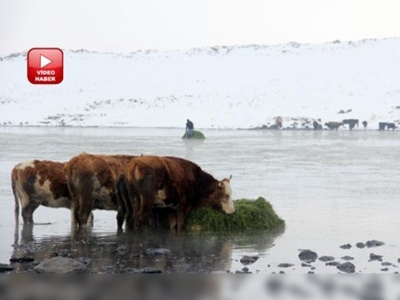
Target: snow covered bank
(218, 87)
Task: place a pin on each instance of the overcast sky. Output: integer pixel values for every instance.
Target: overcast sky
(129, 25)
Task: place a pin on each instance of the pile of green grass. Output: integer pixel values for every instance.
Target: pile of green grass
(249, 215)
(196, 135)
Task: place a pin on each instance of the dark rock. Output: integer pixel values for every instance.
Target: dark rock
(84, 260)
(308, 256)
(157, 251)
(285, 265)
(373, 257)
(386, 264)
(310, 272)
(374, 243)
(347, 257)
(242, 272)
(360, 245)
(347, 267)
(5, 268)
(23, 259)
(147, 270)
(60, 265)
(122, 249)
(385, 269)
(305, 265)
(326, 258)
(281, 272)
(248, 260)
(150, 270)
(332, 263)
(346, 246)
(245, 269)
(312, 268)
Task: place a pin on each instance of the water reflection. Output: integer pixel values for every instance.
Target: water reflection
(190, 145)
(168, 251)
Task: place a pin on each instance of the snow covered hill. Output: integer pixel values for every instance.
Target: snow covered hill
(218, 87)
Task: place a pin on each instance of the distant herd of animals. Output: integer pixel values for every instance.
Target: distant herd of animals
(139, 188)
(352, 123)
(333, 125)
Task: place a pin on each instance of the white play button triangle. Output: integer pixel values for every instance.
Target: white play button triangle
(44, 61)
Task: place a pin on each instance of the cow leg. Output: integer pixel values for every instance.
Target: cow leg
(129, 215)
(127, 210)
(172, 218)
(84, 212)
(74, 204)
(146, 200)
(181, 216)
(91, 219)
(27, 212)
(86, 196)
(121, 216)
(74, 216)
(145, 210)
(132, 206)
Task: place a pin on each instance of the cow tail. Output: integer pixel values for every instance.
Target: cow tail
(14, 190)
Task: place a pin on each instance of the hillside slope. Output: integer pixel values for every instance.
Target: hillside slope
(218, 87)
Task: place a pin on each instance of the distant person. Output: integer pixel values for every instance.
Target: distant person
(189, 128)
(365, 124)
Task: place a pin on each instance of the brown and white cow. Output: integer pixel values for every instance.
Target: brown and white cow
(37, 182)
(174, 183)
(91, 181)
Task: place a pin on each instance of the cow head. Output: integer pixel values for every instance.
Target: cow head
(225, 192)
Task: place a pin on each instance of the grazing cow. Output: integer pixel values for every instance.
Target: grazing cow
(365, 124)
(333, 125)
(351, 122)
(37, 183)
(382, 126)
(91, 182)
(174, 183)
(391, 126)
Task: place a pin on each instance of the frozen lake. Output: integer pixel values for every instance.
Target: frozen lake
(331, 188)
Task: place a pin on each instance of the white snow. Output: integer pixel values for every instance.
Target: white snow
(218, 87)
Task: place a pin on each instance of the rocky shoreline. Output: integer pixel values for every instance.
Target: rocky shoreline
(67, 261)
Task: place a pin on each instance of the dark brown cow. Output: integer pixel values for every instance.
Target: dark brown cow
(351, 122)
(174, 183)
(37, 183)
(382, 126)
(91, 182)
(333, 125)
(391, 126)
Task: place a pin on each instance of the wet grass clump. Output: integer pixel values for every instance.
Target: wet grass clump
(196, 135)
(249, 215)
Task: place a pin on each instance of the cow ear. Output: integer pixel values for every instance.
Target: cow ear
(220, 184)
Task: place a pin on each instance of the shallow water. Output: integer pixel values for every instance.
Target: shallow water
(331, 188)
